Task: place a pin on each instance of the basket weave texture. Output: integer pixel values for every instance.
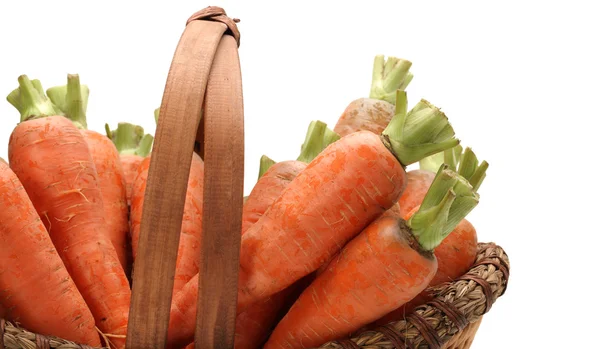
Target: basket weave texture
(450, 321)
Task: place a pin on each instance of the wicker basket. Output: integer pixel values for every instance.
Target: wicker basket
(205, 78)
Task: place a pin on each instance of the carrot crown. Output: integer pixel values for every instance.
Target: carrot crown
(31, 101)
(419, 133)
(71, 99)
(449, 199)
(388, 76)
(265, 164)
(318, 137)
(130, 139)
(465, 163)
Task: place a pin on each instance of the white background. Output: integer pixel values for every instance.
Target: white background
(518, 80)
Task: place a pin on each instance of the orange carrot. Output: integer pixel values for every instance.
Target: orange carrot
(385, 266)
(457, 252)
(188, 254)
(72, 99)
(51, 158)
(133, 146)
(374, 113)
(35, 288)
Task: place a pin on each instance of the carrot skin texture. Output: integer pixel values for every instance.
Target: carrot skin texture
(346, 187)
(417, 184)
(188, 254)
(381, 269)
(112, 186)
(455, 255)
(365, 114)
(267, 190)
(35, 287)
(52, 160)
(130, 163)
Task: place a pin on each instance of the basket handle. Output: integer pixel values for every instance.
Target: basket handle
(204, 76)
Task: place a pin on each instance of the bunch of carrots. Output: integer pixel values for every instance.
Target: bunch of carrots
(340, 238)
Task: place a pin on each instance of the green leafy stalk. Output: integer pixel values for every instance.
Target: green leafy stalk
(31, 101)
(423, 131)
(318, 137)
(265, 164)
(156, 112)
(130, 139)
(71, 99)
(465, 163)
(388, 76)
(449, 200)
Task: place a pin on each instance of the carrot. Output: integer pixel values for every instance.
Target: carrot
(133, 146)
(254, 323)
(374, 113)
(458, 251)
(341, 191)
(191, 228)
(35, 288)
(385, 266)
(51, 158)
(72, 100)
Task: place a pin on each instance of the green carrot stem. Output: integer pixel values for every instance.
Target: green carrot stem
(71, 99)
(265, 163)
(449, 199)
(388, 76)
(31, 101)
(313, 142)
(479, 175)
(128, 138)
(423, 131)
(145, 146)
(156, 112)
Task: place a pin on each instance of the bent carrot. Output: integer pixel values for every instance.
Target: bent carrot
(188, 253)
(72, 100)
(29, 263)
(458, 251)
(133, 147)
(374, 113)
(51, 158)
(385, 266)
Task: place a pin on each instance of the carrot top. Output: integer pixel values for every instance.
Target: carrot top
(449, 199)
(71, 99)
(318, 137)
(130, 139)
(31, 101)
(418, 133)
(156, 112)
(465, 163)
(388, 76)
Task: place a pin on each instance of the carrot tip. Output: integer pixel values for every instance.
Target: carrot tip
(71, 99)
(130, 139)
(449, 199)
(388, 76)
(423, 131)
(30, 100)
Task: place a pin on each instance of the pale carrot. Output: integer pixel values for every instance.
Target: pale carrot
(35, 288)
(385, 266)
(51, 158)
(347, 186)
(133, 147)
(188, 253)
(72, 100)
(374, 113)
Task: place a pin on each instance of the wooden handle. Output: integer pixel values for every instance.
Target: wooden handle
(204, 75)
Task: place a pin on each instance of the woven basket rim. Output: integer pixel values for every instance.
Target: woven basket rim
(456, 305)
